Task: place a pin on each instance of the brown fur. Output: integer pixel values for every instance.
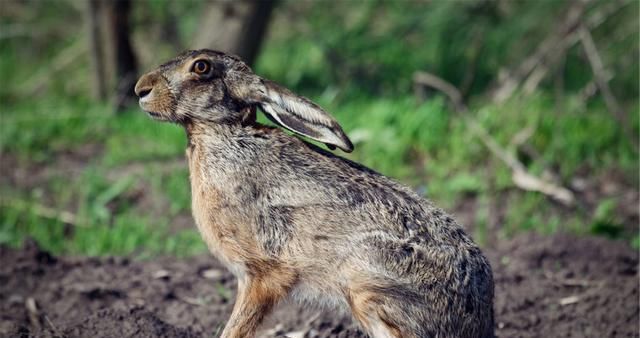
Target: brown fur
(292, 220)
(392, 327)
(367, 306)
(269, 283)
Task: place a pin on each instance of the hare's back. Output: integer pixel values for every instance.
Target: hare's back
(352, 223)
(389, 223)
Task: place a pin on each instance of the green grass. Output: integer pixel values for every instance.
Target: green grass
(124, 180)
(423, 145)
(103, 192)
(139, 139)
(106, 217)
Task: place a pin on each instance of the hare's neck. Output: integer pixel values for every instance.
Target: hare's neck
(205, 151)
(215, 164)
(196, 131)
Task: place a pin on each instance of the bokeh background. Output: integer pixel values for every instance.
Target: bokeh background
(513, 115)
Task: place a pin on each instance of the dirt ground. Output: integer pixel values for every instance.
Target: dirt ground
(560, 286)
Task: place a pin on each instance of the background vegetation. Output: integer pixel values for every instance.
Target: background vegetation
(82, 179)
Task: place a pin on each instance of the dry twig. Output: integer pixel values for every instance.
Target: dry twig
(192, 300)
(572, 282)
(45, 212)
(424, 79)
(32, 309)
(514, 78)
(534, 68)
(519, 174)
(53, 327)
(602, 81)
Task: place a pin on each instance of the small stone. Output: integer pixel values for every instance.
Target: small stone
(212, 274)
(569, 300)
(161, 274)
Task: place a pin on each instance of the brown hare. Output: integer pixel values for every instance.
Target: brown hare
(290, 219)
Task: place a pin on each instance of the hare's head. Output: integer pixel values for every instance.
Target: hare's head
(206, 85)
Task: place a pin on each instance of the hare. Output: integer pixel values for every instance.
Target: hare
(291, 219)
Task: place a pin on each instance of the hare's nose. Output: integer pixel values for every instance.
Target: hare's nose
(142, 92)
(144, 86)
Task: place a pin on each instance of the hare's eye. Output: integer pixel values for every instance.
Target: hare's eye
(201, 67)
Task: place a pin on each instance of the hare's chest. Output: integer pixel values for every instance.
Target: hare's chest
(216, 229)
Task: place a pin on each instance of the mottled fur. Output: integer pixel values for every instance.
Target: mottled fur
(291, 219)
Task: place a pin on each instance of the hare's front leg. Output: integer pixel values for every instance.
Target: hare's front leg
(256, 297)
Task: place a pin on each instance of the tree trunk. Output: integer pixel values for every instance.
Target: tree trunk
(236, 27)
(94, 37)
(124, 59)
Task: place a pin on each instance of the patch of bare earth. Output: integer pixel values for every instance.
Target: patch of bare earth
(559, 286)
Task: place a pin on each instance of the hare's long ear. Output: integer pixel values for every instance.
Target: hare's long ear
(300, 115)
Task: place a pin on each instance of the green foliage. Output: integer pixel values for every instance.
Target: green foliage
(37, 130)
(124, 179)
(128, 234)
(635, 242)
(107, 219)
(140, 139)
(378, 45)
(605, 221)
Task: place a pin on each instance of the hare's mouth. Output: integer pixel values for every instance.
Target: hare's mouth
(158, 116)
(154, 115)
(145, 107)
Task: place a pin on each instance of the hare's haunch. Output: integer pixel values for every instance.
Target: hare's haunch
(292, 220)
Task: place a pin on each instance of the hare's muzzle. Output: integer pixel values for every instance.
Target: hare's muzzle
(145, 85)
(155, 97)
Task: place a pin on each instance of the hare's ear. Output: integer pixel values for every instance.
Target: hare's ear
(300, 115)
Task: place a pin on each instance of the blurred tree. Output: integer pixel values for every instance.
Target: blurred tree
(95, 50)
(110, 51)
(121, 51)
(237, 27)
